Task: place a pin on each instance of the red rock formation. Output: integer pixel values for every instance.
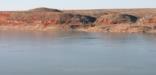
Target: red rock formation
(116, 18)
(3, 18)
(42, 18)
(105, 21)
(151, 20)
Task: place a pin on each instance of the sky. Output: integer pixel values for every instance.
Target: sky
(75, 4)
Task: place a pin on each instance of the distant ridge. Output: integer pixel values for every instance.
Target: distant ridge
(44, 9)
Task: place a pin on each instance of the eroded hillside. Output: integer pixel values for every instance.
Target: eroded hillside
(123, 20)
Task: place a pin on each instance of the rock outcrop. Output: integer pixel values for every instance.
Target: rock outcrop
(97, 21)
(45, 18)
(76, 19)
(116, 18)
(148, 20)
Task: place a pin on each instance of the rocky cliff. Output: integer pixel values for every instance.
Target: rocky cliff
(123, 20)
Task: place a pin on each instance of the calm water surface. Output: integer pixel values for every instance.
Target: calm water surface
(77, 53)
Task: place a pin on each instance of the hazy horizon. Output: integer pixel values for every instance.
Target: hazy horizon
(76, 4)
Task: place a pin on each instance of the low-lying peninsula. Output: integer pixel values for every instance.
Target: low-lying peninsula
(97, 20)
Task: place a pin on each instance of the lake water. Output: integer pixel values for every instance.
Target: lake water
(77, 53)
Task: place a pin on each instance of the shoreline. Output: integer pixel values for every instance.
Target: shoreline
(105, 29)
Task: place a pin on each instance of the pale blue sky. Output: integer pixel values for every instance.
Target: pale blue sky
(75, 4)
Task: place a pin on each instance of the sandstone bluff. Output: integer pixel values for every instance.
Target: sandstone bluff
(100, 20)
